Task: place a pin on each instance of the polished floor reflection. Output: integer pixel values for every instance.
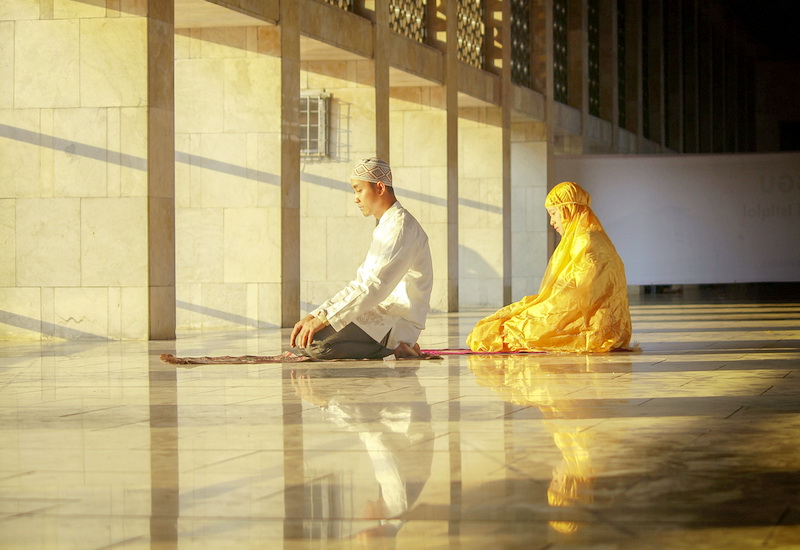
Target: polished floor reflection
(692, 443)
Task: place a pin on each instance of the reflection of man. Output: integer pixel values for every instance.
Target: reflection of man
(383, 310)
(396, 433)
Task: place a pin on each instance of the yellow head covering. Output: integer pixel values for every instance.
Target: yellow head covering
(582, 304)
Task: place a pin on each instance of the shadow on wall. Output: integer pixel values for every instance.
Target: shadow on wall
(45, 328)
(138, 163)
(224, 315)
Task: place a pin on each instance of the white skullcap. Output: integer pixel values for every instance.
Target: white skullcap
(373, 170)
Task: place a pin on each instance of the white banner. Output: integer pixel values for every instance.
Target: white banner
(695, 219)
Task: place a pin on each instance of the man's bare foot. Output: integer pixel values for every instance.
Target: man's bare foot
(404, 351)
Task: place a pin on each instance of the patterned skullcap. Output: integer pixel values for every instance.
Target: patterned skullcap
(567, 192)
(374, 170)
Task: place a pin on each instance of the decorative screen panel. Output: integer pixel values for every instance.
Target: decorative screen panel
(343, 4)
(471, 31)
(407, 17)
(594, 57)
(560, 50)
(521, 42)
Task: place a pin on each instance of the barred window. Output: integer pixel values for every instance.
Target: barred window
(314, 124)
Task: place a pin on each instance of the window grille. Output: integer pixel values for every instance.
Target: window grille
(314, 124)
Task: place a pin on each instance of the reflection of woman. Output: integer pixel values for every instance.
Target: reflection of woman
(582, 304)
(517, 379)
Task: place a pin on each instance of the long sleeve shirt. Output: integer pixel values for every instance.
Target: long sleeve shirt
(392, 289)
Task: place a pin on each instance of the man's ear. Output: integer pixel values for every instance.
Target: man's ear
(381, 187)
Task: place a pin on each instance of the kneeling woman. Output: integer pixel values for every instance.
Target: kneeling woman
(582, 304)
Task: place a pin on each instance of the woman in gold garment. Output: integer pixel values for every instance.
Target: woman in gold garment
(582, 304)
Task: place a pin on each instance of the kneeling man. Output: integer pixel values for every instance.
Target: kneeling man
(383, 310)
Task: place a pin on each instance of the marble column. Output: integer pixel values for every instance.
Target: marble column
(161, 169)
(505, 116)
(451, 105)
(381, 59)
(290, 163)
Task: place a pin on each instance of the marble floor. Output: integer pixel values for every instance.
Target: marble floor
(694, 442)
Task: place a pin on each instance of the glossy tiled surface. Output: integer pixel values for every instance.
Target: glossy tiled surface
(692, 443)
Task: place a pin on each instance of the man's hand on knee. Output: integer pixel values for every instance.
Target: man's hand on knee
(304, 331)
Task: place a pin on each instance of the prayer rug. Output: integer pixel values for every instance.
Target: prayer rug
(285, 357)
(467, 351)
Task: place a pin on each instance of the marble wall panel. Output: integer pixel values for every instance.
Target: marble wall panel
(81, 313)
(251, 92)
(267, 166)
(223, 306)
(313, 263)
(220, 42)
(128, 313)
(199, 89)
(480, 198)
(199, 244)
(326, 74)
(269, 303)
(48, 237)
(19, 9)
(188, 301)
(528, 217)
(81, 152)
(74, 9)
(224, 178)
(8, 244)
(252, 245)
(20, 153)
(347, 245)
(46, 64)
(133, 151)
(183, 171)
(113, 62)
(133, 8)
(6, 64)
(20, 313)
(114, 242)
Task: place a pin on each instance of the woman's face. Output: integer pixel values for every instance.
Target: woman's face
(556, 220)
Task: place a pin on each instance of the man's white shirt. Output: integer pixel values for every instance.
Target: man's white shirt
(392, 288)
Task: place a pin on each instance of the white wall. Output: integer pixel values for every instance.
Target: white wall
(695, 219)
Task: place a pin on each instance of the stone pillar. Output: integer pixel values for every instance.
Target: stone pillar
(506, 99)
(290, 163)
(451, 106)
(161, 169)
(381, 59)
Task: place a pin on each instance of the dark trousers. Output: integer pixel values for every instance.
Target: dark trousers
(349, 343)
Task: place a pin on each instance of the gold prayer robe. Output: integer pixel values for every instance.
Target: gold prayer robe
(582, 304)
